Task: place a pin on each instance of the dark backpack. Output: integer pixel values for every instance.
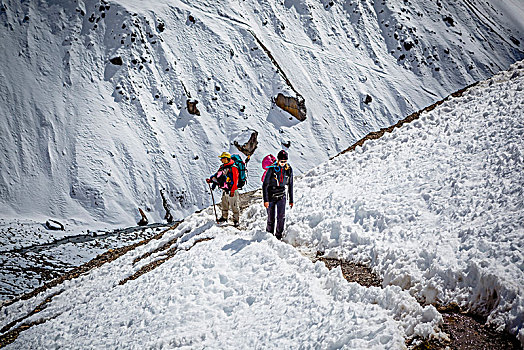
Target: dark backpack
(242, 172)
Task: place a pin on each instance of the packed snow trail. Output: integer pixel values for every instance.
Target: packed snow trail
(237, 290)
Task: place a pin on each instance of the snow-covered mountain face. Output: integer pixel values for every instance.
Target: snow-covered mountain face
(93, 95)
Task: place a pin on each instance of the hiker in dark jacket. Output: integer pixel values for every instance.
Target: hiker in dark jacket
(274, 192)
(227, 179)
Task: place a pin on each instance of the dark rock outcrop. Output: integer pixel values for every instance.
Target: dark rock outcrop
(191, 107)
(54, 225)
(250, 146)
(117, 61)
(143, 221)
(296, 106)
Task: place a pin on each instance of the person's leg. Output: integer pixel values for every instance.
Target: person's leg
(281, 217)
(235, 206)
(225, 204)
(271, 218)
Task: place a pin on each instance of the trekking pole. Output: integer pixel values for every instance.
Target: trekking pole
(213, 198)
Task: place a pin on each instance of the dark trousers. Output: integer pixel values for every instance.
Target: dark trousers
(280, 207)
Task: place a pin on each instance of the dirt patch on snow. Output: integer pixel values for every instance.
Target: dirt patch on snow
(354, 272)
(466, 331)
(469, 332)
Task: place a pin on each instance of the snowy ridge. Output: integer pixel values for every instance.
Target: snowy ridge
(436, 207)
(93, 93)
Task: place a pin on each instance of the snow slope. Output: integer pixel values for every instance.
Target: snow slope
(236, 290)
(87, 141)
(435, 207)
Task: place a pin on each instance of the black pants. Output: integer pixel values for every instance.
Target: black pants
(280, 207)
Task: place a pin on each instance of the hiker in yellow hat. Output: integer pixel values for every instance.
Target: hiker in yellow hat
(226, 178)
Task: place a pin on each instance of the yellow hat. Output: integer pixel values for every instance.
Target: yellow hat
(225, 155)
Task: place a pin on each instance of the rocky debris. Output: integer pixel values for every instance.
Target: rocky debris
(408, 45)
(143, 221)
(191, 107)
(250, 146)
(354, 272)
(296, 106)
(470, 332)
(54, 225)
(368, 99)
(467, 332)
(449, 21)
(117, 61)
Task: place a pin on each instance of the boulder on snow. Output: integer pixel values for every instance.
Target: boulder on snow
(143, 221)
(449, 20)
(408, 45)
(191, 107)
(117, 61)
(54, 225)
(250, 146)
(296, 106)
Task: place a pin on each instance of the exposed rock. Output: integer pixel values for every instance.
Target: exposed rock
(514, 40)
(408, 45)
(168, 216)
(449, 21)
(296, 106)
(54, 225)
(117, 61)
(368, 99)
(250, 146)
(143, 221)
(191, 107)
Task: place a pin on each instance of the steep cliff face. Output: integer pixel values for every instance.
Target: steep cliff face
(93, 94)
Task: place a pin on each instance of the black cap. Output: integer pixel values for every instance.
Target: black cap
(282, 155)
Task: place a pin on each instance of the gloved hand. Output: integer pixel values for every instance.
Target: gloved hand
(208, 181)
(232, 194)
(291, 205)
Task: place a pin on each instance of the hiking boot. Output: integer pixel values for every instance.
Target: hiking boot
(221, 220)
(236, 223)
(279, 237)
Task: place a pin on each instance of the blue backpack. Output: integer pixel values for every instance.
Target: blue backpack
(242, 172)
